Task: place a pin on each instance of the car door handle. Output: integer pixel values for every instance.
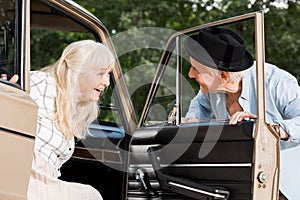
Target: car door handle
(185, 186)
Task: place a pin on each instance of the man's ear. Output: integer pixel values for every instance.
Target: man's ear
(225, 77)
(229, 85)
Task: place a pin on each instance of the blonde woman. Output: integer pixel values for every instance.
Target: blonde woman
(67, 95)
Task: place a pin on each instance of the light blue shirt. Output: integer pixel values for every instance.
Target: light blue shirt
(282, 107)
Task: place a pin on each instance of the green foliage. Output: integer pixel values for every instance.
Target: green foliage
(55, 41)
(281, 28)
(281, 24)
(283, 38)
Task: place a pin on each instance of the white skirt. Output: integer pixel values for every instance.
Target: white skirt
(45, 185)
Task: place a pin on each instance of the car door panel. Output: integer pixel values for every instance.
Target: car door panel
(17, 130)
(100, 159)
(229, 164)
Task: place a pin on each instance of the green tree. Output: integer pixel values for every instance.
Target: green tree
(281, 29)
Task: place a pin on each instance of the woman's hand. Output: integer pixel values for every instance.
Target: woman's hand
(239, 116)
(13, 79)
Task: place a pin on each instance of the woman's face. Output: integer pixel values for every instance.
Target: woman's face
(92, 82)
(208, 82)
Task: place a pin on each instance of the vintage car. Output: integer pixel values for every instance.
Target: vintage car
(155, 155)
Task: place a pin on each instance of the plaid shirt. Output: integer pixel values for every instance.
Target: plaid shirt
(50, 143)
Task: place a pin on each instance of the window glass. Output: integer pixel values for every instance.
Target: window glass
(165, 96)
(164, 104)
(108, 109)
(164, 108)
(211, 100)
(7, 39)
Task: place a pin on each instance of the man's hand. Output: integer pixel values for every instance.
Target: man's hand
(189, 120)
(239, 116)
(280, 132)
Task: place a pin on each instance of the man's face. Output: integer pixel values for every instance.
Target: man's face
(209, 82)
(92, 82)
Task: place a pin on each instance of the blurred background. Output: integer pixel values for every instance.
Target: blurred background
(122, 17)
(282, 25)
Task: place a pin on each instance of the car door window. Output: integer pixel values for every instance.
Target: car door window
(163, 108)
(47, 43)
(8, 40)
(164, 97)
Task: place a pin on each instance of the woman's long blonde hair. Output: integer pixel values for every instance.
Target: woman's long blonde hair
(73, 117)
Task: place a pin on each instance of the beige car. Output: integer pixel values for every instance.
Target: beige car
(120, 155)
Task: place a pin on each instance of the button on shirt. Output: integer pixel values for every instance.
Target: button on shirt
(50, 143)
(282, 107)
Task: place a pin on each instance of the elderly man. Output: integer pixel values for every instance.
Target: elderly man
(226, 73)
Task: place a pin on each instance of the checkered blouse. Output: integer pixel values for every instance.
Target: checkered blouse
(50, 143)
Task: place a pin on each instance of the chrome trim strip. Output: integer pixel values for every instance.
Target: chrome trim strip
(178, 81)
(197, 190)
(213, 165)
(196, 165)
(24, 32)
(102, 155)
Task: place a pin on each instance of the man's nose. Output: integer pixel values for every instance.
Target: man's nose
(192, 72)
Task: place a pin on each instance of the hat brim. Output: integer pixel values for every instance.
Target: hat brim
(197, 52)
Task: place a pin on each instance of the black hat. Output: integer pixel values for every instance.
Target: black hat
(219, 48)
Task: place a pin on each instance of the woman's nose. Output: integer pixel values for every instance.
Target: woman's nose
(105, 80)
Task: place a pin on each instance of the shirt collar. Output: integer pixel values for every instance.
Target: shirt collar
(246, 84)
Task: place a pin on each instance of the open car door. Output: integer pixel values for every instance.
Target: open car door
(18, 111)
(209, 159)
